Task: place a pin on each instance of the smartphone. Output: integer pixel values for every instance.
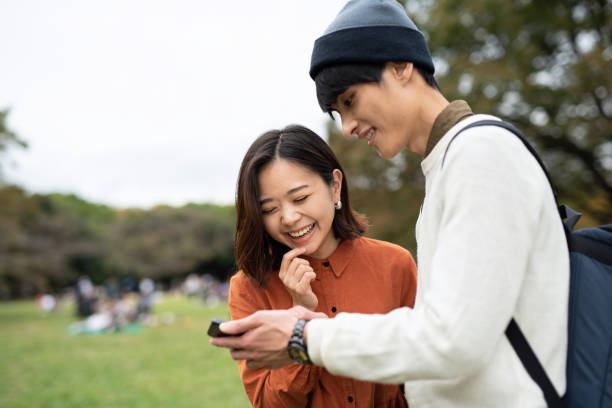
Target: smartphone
(215, 331)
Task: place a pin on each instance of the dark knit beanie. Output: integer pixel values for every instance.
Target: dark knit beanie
(370, 31)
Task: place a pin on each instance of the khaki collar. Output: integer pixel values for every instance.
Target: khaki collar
(449, 117)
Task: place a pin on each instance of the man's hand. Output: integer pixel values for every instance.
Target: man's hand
(296, 274)
(265, 338)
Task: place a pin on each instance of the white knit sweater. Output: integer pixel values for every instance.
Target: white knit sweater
(490, 247)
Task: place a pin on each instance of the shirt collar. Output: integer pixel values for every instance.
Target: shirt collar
(452, 114)
(338, 260)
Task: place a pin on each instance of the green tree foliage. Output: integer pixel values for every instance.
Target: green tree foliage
(166, 242)
(48, 241)
(543, 65)
(8, 138)
(41, 242)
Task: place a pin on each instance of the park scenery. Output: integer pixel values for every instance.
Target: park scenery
(163, 362)
(92, 318)
(104, 305)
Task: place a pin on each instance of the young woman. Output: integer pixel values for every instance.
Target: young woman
(298, 242)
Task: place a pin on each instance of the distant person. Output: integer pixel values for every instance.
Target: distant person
(146, 289)
(46, 302)
(299, 242)
(128, 285)
(192, 285)
(113, 299)
(85, 297)
(490, 244)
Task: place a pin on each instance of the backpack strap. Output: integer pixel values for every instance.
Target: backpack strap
(570, 215)
(511, 128)
(532, 364)
(565, 212)
(513, 332)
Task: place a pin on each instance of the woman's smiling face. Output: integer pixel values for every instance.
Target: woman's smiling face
(297, 206)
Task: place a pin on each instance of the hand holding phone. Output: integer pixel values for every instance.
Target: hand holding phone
(215, 331)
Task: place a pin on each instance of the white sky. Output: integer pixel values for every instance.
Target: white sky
(144, 102)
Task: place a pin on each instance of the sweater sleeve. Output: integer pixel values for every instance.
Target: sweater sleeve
(284, 387)
(489, 199)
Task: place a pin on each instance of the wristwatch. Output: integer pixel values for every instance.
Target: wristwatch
(296, 348)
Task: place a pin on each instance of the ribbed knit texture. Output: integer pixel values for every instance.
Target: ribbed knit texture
(370, 31)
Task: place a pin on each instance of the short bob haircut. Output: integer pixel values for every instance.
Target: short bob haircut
(257, 254)
(333, 80)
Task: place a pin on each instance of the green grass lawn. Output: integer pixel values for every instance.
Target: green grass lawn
(170, 365)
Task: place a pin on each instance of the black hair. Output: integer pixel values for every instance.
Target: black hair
(333, 80)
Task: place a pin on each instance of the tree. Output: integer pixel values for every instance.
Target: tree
(48, 241)
(8, 138)
(545, 66)
(165, 242)
(41, 240)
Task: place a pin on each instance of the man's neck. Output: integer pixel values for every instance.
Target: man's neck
(452, 114)
(432, 105)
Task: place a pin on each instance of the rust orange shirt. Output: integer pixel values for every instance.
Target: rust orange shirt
(361, 276)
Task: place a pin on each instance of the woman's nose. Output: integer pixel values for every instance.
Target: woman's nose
(289, 215)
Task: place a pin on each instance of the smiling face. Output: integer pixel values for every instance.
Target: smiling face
(297, 206)
(384, 113)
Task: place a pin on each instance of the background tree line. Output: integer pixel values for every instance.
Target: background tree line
(48, 241)
(543, 65)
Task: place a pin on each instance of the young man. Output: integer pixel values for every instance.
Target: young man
(490, 246)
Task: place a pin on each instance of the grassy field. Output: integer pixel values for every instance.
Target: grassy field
(170, 365)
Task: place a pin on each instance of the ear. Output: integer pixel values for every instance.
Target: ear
(402, 71)
(336, 185)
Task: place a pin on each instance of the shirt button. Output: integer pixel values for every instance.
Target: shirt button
(334, 309)
(326, 264)
(350, 399)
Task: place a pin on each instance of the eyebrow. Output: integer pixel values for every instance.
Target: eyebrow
(293, 190)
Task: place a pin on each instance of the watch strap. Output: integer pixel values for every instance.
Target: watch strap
(297, 348)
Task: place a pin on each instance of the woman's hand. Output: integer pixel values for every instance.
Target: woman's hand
(296, 274)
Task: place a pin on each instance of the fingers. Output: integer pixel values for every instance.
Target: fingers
(288, 258)
(291, 271)
(253, 365)
(301, 312)
(303, 284)
(228, 342)
(296, 274)
(240, 326)
(241, 329)
(295, 279)
(265, 343)
(240, 354)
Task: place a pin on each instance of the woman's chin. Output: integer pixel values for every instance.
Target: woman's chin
(308, 249)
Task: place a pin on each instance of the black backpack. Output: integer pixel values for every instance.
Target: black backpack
(589, 352)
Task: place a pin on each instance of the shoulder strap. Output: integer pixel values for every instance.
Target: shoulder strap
(532, 364)
(511, 128)
(513, 332)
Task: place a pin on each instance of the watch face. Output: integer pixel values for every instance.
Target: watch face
(298, 355)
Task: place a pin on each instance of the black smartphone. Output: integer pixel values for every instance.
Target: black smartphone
(215, 331)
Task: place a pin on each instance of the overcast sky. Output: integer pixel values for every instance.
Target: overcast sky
(143, 102)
